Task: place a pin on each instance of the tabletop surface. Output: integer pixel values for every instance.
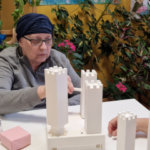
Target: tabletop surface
(34, 121)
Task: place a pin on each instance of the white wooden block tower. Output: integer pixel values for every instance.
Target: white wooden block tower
(93, 107)
(148, 136)
(126, 131)
(56, 99)
(75, 137)
(85, 76)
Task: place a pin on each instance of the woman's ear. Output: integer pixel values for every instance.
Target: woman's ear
(20, 42)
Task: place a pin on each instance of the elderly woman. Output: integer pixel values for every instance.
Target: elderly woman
(22, 68)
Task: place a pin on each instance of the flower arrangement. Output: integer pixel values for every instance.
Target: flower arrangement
(66, 47)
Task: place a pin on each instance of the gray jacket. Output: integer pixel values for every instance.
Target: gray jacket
(19, 83)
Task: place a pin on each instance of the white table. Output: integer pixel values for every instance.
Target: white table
(34, 121)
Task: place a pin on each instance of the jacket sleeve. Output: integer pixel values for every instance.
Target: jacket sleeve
(12, 101)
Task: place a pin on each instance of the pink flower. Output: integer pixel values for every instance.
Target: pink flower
(59, 44)
(63, 44)
(118, 86)
(121, 87)
(68, 44)
(67, 41)
(73, 47)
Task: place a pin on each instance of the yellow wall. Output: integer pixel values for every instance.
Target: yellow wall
(8, 7)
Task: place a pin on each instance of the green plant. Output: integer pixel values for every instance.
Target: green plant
(1, 24)
(19, 11)
(72, 27)
(119, 40)
(34, 3)
(131, 51)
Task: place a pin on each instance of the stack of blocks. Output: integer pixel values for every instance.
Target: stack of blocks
(57, 112)
(93, 106)
(85, 76)
(59, 135)
(56, 99)
(126, 131)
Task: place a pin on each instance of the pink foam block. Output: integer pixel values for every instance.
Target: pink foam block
(15, 138)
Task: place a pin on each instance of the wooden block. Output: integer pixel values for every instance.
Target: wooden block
(85, 76)
(56, 99)
(15, 138)
(93, 107)
(126, 131)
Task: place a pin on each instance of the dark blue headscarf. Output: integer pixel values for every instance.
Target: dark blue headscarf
(33, 23)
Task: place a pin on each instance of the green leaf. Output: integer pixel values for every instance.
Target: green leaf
(123, 68)
(129, 55)
(80, 44)
(57, 13)
(130, 73)
(70, 20)
(89, 53)
(32, 3)
(1, 23)
(110, 13)
(78, 40)
(38, 2)
(147, 65)
(77, 62)
(76, 55)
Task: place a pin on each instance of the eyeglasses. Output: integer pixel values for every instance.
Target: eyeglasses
(38, 42)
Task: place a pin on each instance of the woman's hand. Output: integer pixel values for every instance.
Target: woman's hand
(141, 125)
(41, 89)
(70, 85)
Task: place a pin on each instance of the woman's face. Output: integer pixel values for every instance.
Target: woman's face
(36, 54)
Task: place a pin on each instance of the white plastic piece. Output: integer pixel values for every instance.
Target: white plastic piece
(93, 107)
(85, 76)
(56, 99)
(78, 89)
(75, 137)
(79, 142)
(126, 131)
(148, 136)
